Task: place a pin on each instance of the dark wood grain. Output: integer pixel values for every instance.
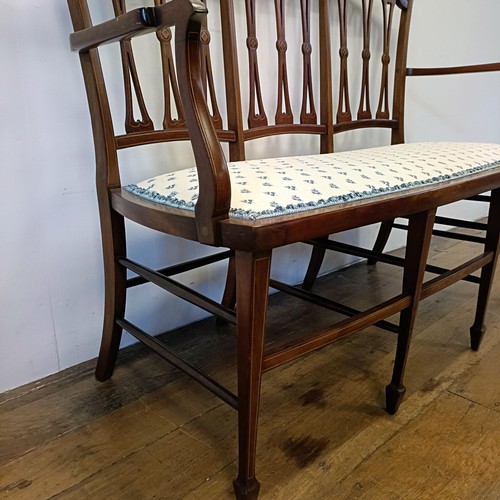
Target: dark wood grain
(192, 111)
(69, 437)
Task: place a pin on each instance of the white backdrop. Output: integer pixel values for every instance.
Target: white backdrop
(51, 278)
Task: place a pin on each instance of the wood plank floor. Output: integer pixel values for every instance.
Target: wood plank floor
(152, 433)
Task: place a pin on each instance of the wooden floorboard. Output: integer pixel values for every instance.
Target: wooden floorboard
(323, 432)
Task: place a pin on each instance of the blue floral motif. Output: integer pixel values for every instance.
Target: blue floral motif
(358, 174)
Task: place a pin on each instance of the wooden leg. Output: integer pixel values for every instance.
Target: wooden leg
(383, 236)
(229, 296)
(113, 238)
(417, 249)
(252, 286)
(488, 272)
(317, 256)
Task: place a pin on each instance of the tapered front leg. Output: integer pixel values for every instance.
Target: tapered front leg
(417, 251)
(252, 284)
(488, 272)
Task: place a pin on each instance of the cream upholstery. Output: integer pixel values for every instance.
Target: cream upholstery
(281, 186)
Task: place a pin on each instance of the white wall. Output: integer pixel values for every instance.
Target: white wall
(51, 277)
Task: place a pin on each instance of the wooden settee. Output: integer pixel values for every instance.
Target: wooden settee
(251, 207)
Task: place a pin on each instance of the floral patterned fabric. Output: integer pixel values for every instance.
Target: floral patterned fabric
(281, 186)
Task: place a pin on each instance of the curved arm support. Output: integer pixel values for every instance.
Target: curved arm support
(187, 17)
(213, 175)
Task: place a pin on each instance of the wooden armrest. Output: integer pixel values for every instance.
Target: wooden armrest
(453, 70)
(136, 22)
(188, 17)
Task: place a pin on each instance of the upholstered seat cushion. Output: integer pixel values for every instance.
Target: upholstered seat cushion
(281, 186)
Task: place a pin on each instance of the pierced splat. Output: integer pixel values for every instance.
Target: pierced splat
(308, 111)
(364, 111)
(170, 85)
(130, 78)
(255, 118)
(282, 115)
(383, 103)
(208, 78)
(344, 110)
